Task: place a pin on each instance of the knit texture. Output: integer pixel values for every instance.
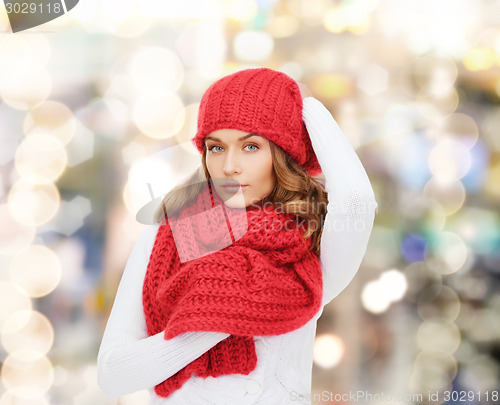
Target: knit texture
(267, 282)
(261, 101)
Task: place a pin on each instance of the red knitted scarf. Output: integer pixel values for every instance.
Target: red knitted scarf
(261, 278)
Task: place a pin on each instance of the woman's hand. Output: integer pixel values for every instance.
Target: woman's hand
(304, 90)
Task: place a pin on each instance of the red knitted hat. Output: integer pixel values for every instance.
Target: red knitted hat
(263, 101)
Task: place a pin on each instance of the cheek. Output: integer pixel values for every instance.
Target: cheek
(266, 173)
(211, 166)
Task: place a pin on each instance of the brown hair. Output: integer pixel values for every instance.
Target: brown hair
(294, 192)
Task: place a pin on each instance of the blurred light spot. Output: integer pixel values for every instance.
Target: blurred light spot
(449, 160)
(347, 17)
(51, 116)
(159, 114)
(373, 298)
(436, 75)
(489, 129)
(480, 163)
(187, 10)
(27, 329)
(328, 350)
(373, 79)
(156, 68)
(440, 365)
(37, 269)
(133, 152)
(14, 236)
(120, 88)
(438, 302)
(413, 248)
(28, 91)
(388, 288)
(409, 153)
(447, 252)
(331, 86)
(423, 215)
(479, 228)
(203, 45)
(435, 107)
(458, 127)
(449, 193)
(241, 10)
(12, 298)
(124, 19)
(253, 46)
(10, 398)
(189, 127)
(395, 284)
(33, 204)
(479, 59)
(493, 180)
(61, 375)
(107, 117)
(283, 26)
(21, 55)
(40, 158)
(27, 373)
(444, 337)
(429, 377)
(419, 276)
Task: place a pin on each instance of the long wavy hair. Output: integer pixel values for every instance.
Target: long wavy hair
(294, 192)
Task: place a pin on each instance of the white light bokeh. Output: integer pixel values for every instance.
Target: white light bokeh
(51, 116)
(33, 204)
(14, 236)
(379, 294)
(328, 350)
(158, 114)
(41, 158)
(253, 46)
(37, 269)
(27, 373)
(25, 330)
(12, 298)
(450, 193)
(449, 160)
(156, 68)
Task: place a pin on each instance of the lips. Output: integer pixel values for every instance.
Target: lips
(234, 187)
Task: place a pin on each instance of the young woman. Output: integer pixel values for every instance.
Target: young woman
(219, 301)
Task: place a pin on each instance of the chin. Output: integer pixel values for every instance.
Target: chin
(236, 203)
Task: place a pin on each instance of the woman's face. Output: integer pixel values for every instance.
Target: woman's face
(241, 159)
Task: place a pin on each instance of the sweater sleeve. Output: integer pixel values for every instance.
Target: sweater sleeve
(351, 201)
(129, 360)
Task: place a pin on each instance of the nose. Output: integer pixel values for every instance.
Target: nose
(232, 163)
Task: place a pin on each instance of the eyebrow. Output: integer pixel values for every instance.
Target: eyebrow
(239, 139)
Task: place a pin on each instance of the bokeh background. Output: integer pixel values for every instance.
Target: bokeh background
(96, 107)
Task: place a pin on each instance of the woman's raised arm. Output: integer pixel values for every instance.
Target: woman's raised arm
(351, 201)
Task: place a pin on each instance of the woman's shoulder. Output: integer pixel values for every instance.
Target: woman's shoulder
(147, 237)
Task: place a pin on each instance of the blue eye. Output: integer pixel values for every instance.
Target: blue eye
(256, 147)
(212, 147)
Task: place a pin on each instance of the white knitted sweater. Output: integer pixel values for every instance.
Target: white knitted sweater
(129, 360)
